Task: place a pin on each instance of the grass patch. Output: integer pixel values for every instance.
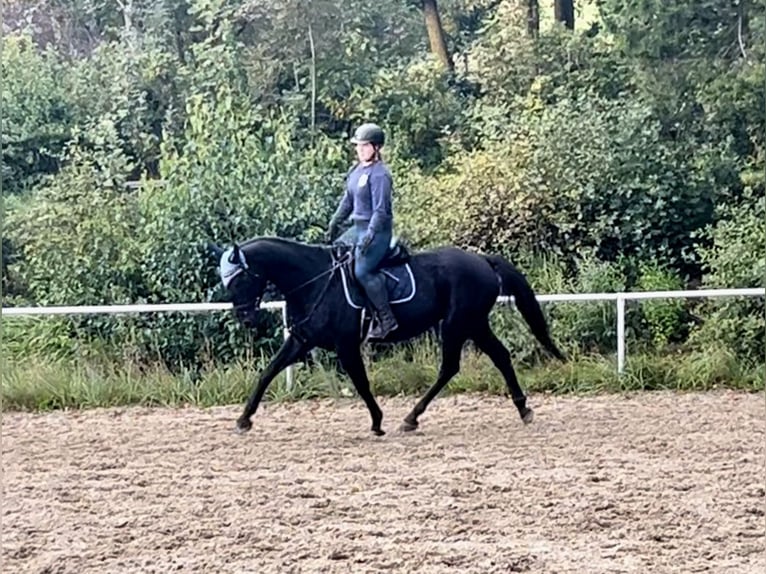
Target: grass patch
(39, 384)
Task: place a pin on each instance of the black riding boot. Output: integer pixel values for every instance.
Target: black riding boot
(376, 293)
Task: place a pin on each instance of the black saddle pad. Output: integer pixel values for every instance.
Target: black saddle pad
(400, 285)
(395, 266)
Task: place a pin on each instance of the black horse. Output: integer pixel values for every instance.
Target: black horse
(446, 287)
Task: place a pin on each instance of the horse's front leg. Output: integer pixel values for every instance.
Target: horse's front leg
(290, 351)
(350, 357)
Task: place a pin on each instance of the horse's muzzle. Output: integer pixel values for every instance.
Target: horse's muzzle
(248, 313)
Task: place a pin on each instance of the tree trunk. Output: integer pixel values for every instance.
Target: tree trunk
(436, 34)
(127, 16)
(743, 27)
(563, 11)
(129, 31)
(533, 18)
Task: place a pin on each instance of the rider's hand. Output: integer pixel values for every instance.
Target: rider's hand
(330, 234)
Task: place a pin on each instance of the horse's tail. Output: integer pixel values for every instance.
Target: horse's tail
(514, 283)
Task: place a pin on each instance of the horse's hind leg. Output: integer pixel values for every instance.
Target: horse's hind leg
(452, 345)
(351, 359)
(488, 343)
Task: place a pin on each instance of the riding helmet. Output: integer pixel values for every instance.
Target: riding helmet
(369, 133)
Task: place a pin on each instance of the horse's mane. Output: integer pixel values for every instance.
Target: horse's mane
(286, 241)
(319, 253)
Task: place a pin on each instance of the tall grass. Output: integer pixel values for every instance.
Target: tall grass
(39, 384)
(50, 365)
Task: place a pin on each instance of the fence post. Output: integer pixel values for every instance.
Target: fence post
(286, 334)
(620, 333)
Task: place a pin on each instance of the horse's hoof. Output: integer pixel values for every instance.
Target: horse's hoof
(528, 416)
(408, 426)
(243, 425)
(378, 432)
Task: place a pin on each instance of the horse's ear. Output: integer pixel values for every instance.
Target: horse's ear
(214, 250)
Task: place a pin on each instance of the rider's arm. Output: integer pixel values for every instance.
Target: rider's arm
(380, 190)
(344, 209)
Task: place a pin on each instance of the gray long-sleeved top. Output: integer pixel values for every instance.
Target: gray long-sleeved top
(368, 197)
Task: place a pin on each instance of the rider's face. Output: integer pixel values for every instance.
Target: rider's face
(365, 151)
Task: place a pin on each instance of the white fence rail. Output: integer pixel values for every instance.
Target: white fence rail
(619, 297)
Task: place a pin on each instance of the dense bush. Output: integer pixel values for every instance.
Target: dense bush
(37, 113)
(570, 177)
(736, 258)
(629, 155)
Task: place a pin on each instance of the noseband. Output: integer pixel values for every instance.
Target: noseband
(256, 302)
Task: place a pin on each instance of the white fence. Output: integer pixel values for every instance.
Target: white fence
(619, 297)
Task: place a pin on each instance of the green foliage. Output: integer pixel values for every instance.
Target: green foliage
(11, 288)
(558, 65)
(37, 113)
(237, 173)
(77, 240)
(734, 102)
(735, 259)
(575, 175)
(54, 338)
(666, 320)
(684, 29)
(336, 50)
(502, 58)
(583, 328)
(631, 155)
(136, 90)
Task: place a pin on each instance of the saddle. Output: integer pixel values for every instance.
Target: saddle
(396, 255)
(395, 266)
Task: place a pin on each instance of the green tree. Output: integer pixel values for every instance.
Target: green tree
(37, 113)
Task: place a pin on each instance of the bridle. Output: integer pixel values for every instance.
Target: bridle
(255, 303)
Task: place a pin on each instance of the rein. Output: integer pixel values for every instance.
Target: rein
(335, 266)
(331, 272)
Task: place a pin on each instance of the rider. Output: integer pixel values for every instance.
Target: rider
(368, 199)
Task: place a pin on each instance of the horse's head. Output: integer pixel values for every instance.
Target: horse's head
(242, 281)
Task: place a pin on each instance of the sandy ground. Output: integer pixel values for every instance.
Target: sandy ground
(650, 484)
